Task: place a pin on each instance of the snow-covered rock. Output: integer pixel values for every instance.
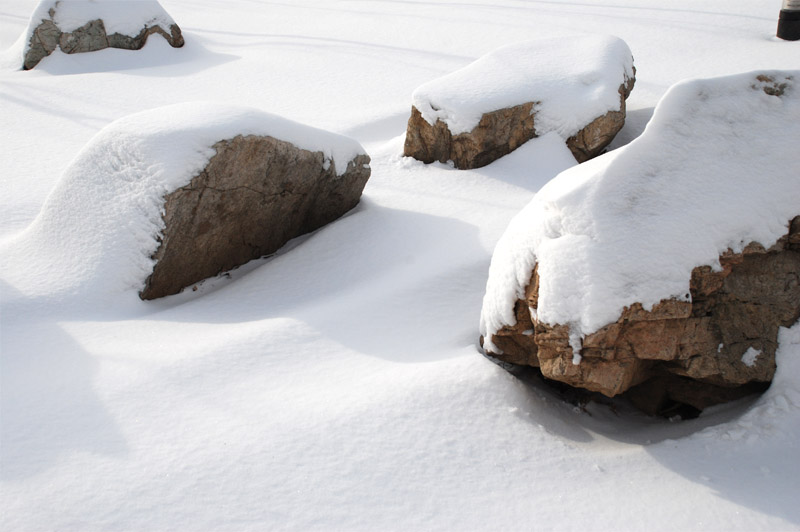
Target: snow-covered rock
(573, 86)
(200, 187)
(77, 26)
(675, 255)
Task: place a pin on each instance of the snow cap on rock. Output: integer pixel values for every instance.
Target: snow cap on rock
(573, 80)
(716, 168)
(98, 229)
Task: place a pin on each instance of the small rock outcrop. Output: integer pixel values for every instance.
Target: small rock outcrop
(58, 30)
(254, 195)
(443, 103)
(718, 347)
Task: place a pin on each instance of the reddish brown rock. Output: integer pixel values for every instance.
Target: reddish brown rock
(718, 347)
(254, 195)
(503, 131)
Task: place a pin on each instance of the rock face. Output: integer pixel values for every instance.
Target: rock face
(501, 131)
(254, 195)
(92, 36)
(718, 347)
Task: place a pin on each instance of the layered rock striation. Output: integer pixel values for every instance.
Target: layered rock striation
(716, 346)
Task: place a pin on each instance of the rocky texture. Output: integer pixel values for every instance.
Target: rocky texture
(90, 37)
(718, 347)
(254, 195)
(501, 132)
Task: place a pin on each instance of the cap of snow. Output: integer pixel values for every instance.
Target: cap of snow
(717, 167)
(98, 228)
(573, 80)
(127, 17)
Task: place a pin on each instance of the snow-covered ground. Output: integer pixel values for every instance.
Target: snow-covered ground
(338, 384)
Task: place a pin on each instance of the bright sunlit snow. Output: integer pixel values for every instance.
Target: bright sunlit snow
(573, 79)
(338, 385)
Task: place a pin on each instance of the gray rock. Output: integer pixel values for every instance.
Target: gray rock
(254, 195)
(90, 37)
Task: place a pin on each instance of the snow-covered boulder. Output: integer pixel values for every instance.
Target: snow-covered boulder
(573, 86)
(77, 26)
(162, 199)
(669, 264)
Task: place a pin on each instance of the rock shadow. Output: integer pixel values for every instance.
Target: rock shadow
(156, 59)
(370, 281)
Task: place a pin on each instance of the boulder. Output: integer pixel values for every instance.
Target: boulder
(77, 26)
(718, 346)
(161, 199)
(494, 105)
(255, 194)
(662, 270)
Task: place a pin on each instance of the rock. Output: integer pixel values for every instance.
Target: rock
(718, 347)
(254, 195)
(53, 25)
(441, 128)
(633, 274)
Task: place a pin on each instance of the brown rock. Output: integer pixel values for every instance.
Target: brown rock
(678, 352)
(90, 37)
(254, 195)
(503, 131)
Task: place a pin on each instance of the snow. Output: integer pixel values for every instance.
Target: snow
(127, 17)
(750, 356)
(338, 385)
(99, 228)
(573, 79)
(715, 169)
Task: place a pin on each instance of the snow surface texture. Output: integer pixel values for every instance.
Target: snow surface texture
(573, 79)
(716, 169)
(338, 386)
(98, 229)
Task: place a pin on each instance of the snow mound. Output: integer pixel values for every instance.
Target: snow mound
(98, 229)
(573, 79)
(717, 167)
